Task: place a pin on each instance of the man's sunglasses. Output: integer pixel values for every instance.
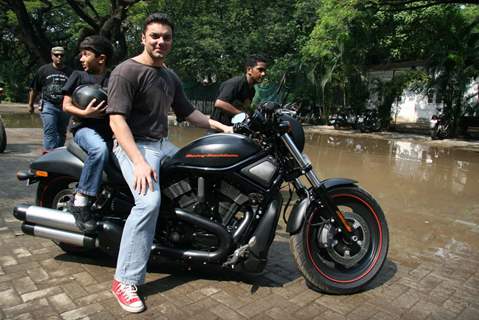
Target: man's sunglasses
(58, 55)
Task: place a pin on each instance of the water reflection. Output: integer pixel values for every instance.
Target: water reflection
(412, 167)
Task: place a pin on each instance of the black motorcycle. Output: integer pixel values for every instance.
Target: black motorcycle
(343, 118)
(440, 126)
(369, 121)
(221, 205)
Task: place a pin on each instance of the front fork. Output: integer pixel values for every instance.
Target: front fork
(320, 194)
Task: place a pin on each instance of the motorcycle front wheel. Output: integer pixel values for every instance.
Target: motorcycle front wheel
(329, 262)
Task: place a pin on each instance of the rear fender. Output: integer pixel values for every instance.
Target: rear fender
(59, 162)
(298, 214)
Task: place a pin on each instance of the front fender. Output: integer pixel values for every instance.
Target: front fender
(298, 213)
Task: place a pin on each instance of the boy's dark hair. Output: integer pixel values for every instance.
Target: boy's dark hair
(98, 45)
(158, 17)
(253, 59)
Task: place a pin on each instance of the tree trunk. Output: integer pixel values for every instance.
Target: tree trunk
(34, 39)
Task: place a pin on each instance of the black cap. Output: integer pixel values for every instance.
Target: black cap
(97, 44)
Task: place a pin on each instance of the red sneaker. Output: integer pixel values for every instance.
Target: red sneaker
(127, 296)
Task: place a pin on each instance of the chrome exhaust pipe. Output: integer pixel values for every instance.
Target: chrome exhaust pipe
(76, 239)
(47, 217)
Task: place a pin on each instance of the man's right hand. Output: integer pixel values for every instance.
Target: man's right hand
(143, 177)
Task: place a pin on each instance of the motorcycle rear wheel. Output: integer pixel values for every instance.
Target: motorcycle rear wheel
(3, 137)
(342, 267)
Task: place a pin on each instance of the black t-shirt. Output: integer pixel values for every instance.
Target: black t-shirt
(49, 81)
(77, 79)
(235, 91)
(144, 95)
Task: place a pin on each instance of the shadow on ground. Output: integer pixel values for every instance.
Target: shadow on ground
(179, 273)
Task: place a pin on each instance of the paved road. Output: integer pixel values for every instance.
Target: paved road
(39, 281)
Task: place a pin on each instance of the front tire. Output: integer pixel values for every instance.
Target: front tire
(328, 262)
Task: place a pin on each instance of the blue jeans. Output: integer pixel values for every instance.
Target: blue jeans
(55, 123)
(140, 225)
(98, 148)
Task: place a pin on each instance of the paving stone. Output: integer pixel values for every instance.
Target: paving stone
(305, 297)
(363, 312)
(105, 315)
(420, 310)
(469, 314)
(455, 305)
(420, 272)
(278, 313)
(338, 304)
(61, 302)
(24, 316)
(231, 301)
(38, 274)
(96, 297)
(40, 293)
(7, 261)
(309, 311)
(9, 298)
(260, 305)
(82, 312)
(24, 284)
(84, 278)
(168, 310)
(198, 307)
(21, 252)
(442, 314)
(25, 307)
(74, 290)
(331, 315)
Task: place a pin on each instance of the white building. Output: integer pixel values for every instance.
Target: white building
(410, 107)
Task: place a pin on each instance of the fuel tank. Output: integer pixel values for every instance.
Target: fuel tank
(216, 151)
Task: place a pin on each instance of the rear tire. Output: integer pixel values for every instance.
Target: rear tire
(342, 267)
(3, 137)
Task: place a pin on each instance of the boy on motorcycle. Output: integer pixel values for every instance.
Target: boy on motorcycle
(90, 127)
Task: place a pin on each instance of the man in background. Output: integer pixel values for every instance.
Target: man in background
(49, 81)
(235, 95)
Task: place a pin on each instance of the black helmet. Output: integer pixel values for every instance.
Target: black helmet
(82, 95)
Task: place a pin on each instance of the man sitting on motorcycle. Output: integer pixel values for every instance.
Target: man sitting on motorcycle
(89, 126)
(141, 91)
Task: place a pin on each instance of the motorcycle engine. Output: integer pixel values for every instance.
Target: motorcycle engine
(216, 201)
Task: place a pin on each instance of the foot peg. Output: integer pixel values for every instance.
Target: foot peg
(240, 254)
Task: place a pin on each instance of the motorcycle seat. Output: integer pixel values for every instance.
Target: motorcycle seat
(111, 170)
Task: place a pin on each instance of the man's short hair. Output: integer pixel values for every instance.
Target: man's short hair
(253, 59)
(158, 17)
(98, 45)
